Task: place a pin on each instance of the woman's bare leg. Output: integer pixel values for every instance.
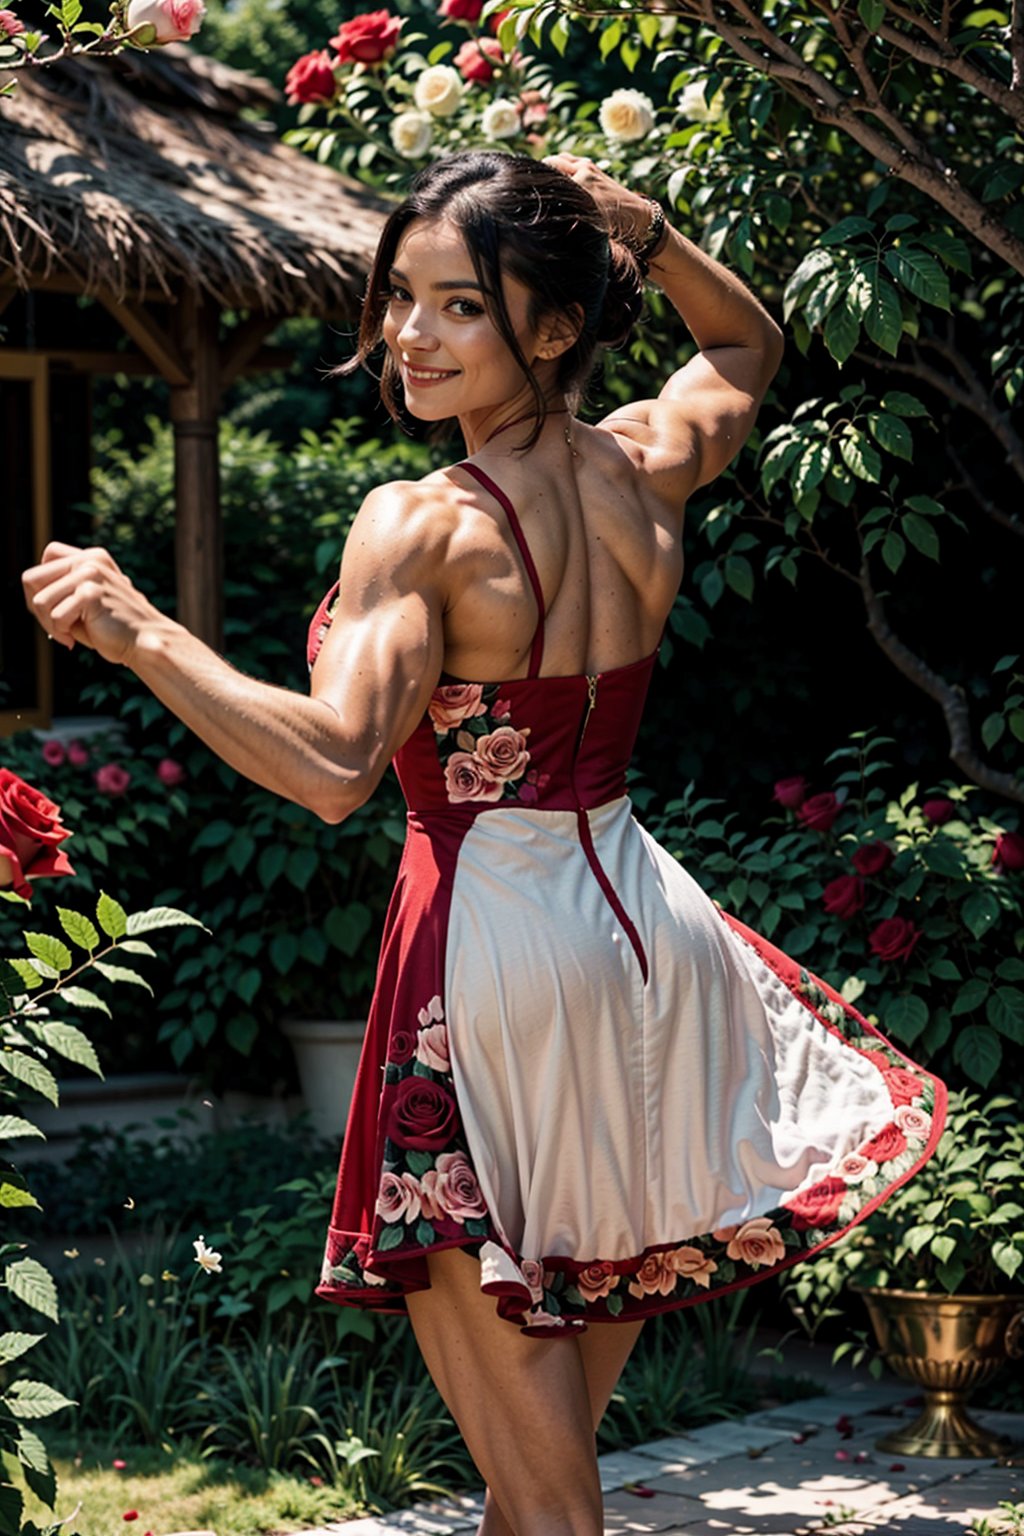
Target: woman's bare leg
(526, 1408)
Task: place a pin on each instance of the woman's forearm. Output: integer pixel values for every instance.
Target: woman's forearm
(718, 308)
(282, 740)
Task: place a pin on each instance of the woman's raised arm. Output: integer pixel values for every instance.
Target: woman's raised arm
(370, 685)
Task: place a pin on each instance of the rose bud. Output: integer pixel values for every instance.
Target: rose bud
(164, 21)
(938, 811)
(311, 79)
(1008, 853)
(791, 793)
(169, 772)
(78, 756)
(872, 858)
(30, 832)
(844, 896)
(112, 779)
(819, 812)
(893, 939)
(461, 10)
(368, 39)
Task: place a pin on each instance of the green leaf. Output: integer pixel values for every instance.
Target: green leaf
(871, 13)
(347, 927)
(136, 947)
(111, 916)
(122, 973)
(30, 1071)
(921, 534)
(69, 1042)
(425, 1233)
(14, 1194)
(302, 866)
(919, 273)
(1005, 1012)
(992, 728)
(12, 1126)
(800, 939)
(906, 1017)
(943, 1248)
(971, 996)
(978, 1051)
(943, 857)
(35, 1463)
(901, 404)
(214, 835)
(392, 1235)
(847, 229)
(1008, 1258)
(248, 984)
(979, 911)
(284, 951)
(894, 437)
(78, 929)
(26, 973)
(883, 318)
(31, 1283)
(419, 1162)
(270, 864)
(81, 997)
(241, 1033)
(12, 1345)
(893, 550)
(859, 456)
(34, 1399)
(50, 950)
(841, 333)
(161, 917)
(12, 1504)
(739, 576)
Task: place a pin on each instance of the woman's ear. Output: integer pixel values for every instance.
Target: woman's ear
(559, 330)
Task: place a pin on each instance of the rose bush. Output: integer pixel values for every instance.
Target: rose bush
(30, 835)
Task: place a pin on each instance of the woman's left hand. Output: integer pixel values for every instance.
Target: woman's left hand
(83, 595)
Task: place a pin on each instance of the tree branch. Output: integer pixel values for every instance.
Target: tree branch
(950, 698)
(1011, 521)
(1017, 45)
(946, 60)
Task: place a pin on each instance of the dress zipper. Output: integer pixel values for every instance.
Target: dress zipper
(591, 701)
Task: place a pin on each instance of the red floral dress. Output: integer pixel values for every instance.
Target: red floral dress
(576, 1065)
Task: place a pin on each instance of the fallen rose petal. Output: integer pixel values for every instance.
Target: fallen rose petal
(799, 1439)
(842, 1455)
(130, 1514)
(844, 1423)
(897, 1466)
(639, 1490)
(118, 1465)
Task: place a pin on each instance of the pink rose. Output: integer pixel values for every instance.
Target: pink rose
(466, 778)
(53, 753)
(461, 10)
(399, 1197)
(30, 832)
(914, 1123)
(872, 858)
(311, 79)
(757, 1243)
(889, 1143)
(903, 1086)
(791, 793)
(893, 939)
(367, 39)
(10, 24)
(401, 1046)
(938, 811)
(477, 57)
(533, 1274)
(819, 812)
(1008, 853)
(503, 753)
(596, 1281)
(433, 1013)
(164, 21)
(692, 1263)
(817, 1206)
(453, 703)
(854, 1168)
(423, 1115)
(111, 779)
(169, 772)
(533, 109)
(451, 1189)
(844, 896)
(655, 1276)
(432, 1048)
(78, 756)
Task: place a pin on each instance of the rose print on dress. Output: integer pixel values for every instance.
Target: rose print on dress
(484, 756)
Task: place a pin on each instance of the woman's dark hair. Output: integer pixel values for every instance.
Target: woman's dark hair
(519, 216)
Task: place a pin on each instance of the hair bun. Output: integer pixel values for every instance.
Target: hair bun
(624, 296)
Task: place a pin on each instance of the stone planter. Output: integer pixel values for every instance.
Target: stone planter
(327, 1055)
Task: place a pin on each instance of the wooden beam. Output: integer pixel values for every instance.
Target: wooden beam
(199, 559)
(243, 344)
(149, 337)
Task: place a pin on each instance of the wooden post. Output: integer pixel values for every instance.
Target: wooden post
(199, 545)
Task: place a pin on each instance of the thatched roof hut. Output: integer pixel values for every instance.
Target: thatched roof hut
(150, 183)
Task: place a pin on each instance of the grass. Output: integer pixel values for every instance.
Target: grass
(176, 1490)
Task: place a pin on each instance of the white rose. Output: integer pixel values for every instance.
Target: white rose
(626, 115)
(411, 133)
(438, 90)
(500, 120)
(692, 104)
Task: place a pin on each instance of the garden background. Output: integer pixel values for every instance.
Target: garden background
(834, 738)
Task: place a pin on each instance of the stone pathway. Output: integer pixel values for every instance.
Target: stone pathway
(810, 1466)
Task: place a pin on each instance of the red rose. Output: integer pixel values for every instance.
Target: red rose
(819, 812)
(367, 39)
(496, 18)
(112, 779)
(401, 1046)
(311, 79)
(844, 896)
(791, 793)
(937, 811)
(53, 753)
(903, 1086)
(423, 1115)
(169, 772)
(893, 939)
(889, 1143)
(817, 1206)
(461, 10)
(1008, 853)
(872, 858)
(477, 57)
(30, 831)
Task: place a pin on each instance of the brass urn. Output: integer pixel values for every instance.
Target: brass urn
(948, 1345)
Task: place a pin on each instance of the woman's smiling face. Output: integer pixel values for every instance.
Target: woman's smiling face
(451, 358)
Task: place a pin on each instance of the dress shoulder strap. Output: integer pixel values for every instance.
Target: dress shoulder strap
(537, 648)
